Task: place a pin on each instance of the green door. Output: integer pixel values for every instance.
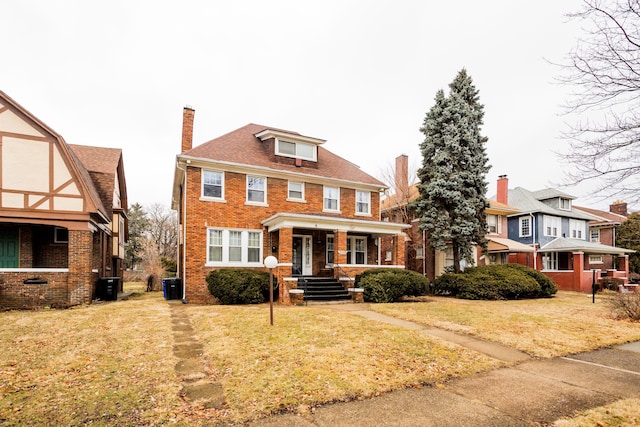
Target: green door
(8, 248)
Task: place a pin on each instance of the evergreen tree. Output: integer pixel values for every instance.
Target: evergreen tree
(452, 198)
(628, 236)
(138, 228)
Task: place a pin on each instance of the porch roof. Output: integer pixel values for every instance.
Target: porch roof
(329, 223)
(501, 244)
(564, 244)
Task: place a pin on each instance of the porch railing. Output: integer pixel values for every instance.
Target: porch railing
(342, 273)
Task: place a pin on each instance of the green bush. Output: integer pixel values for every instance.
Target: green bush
(388, 285)
(496, 282)
(239, 286)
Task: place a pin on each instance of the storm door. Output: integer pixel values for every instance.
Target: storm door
(302, 259)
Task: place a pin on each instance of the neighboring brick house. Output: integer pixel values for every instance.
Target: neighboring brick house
(260, 191)
(560, 235)
(603, 229)
(63, 220)
(419, 256)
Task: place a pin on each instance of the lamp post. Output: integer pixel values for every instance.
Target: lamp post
(271, 262)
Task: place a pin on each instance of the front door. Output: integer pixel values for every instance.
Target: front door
(302, 262)
(8, 248)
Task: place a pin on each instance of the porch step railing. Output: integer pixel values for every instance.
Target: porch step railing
(322, 289)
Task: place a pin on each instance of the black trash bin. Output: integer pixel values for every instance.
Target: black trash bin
(107, 288)
(172, 287)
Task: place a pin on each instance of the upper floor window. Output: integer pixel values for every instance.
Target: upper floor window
(363, 202)
(331, 199)
(551, 225)
(213, 184)
(256, 189)
(576, 228)
(595, 235)
(419, 251)
(296, 149)
(525, 226)
(565, 204)
(296, 191)
(493, 223)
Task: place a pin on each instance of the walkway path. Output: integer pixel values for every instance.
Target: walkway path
(530, 393)
(191, 368)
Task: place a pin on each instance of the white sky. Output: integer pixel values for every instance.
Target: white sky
(360, 74)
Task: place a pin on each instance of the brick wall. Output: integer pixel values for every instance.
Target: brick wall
(15, 294)
(234, 213)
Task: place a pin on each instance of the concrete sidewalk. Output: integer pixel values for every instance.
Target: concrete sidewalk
(529, 393)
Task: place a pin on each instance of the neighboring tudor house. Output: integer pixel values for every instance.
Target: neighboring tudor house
(260, 191)
(419, 257)
(603, 229)
(63, 220)
(560, 235)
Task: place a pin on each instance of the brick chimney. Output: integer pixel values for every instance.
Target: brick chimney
(618, 207)
(402, 176)
(187, 128)
(503, 190)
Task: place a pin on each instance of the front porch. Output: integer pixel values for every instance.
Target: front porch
(573, 275)
(339, 248)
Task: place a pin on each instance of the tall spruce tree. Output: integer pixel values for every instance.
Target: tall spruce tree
(452, 198)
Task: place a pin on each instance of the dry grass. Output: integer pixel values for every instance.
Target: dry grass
(619, 414)
(88, 365)
(112, 363)
(313, 356)
(568, 323)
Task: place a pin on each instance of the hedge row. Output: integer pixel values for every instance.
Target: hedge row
(240, 286)
(388, 285)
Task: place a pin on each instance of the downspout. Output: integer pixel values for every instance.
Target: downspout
(183, 235)
(533, 238)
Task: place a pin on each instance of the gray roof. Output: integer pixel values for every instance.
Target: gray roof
(565, 244)
(529, 202)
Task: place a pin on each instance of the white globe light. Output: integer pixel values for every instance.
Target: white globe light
(270, 261)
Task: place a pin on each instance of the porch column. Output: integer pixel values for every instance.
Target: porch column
(80, 254)
(623, 265)
(578, 268)
(285, 262)
(399, 250)
(340, 248)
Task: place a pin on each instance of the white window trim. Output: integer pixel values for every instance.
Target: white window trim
(368, 213)
(209, 198)
(252, 203)
(352, 240)
(313, 158)
(591, 239)
(599, 261)
(326, 254)
(550, 258)
(498, 224)
(560, 204)
(520, 220)
(577, 225)
(300, 200)
(548, 221)
(324, 209)
(225, 249)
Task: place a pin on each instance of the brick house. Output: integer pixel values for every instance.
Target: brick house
(260, 191)
(432, 263)
(603, 229)
(63, 220)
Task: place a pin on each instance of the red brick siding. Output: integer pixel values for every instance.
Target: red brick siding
(15, 294)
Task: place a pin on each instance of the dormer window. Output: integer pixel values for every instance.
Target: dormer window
(565, 204)
(298, 150)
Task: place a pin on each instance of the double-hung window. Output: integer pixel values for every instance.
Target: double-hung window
(296, 191)
(256, 190)
(525, 226)
(595, 235)
(331, 199)
(212, 185)
(551, 225)
(234, 247)
(356, 250)
(330, 249)
(363, 202)
(577, 228)
(493, 223)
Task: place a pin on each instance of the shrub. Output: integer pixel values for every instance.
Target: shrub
(611, 283)
(626, 305)
(387, 285)
(239, 286)
(497, 281)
